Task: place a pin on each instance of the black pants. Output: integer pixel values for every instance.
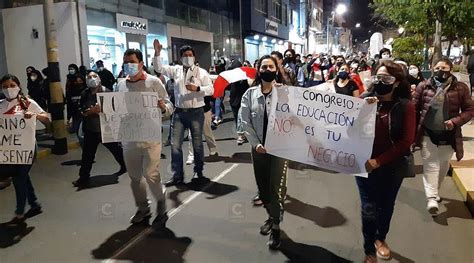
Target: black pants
(91, 142)
(378, 193)
(271, 175)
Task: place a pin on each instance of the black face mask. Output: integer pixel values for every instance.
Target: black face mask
(442, 75)
(268, 76)
(383, 89)
(287, 60)
(343, 75)
(339, 64)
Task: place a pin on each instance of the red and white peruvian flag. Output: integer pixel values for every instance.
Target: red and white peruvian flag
(231, 76)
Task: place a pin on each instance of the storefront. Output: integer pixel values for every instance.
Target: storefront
(109, 35)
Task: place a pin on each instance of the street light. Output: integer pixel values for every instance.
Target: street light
(357, 25)
(401, 30)
(264, 39)
(340, 9)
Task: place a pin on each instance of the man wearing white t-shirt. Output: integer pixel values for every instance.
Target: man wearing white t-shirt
(143, 158)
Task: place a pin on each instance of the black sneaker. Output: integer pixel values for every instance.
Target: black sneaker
(81, 183)
(199, 177)
(159, 223)
(4, 183)
(173, 182)
(274, 240)
(266, 227)
(16, 221)
(140, 217)
(34, 211)
(121, 171)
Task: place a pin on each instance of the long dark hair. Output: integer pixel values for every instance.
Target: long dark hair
(258, 79)
(22, 99)
(402, 91)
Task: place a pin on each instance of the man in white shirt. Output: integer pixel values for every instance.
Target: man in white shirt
(143, 158)
(192, 85)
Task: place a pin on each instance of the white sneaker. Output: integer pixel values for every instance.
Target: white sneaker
(190, 160)
(213, 153)
(432, 207)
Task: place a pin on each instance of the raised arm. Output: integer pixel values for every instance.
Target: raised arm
(157, 65)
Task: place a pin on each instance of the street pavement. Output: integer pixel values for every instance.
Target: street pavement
(217, 223)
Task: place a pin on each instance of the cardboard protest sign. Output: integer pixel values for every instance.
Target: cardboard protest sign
(130, 117)
(319, 128)
(17, 139)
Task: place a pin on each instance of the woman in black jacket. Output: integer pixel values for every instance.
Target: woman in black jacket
(35, 88)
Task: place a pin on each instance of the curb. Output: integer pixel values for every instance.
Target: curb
(47, 152)
(467, 194)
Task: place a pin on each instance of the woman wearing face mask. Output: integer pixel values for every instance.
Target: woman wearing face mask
(414, 77)
(270, 171)
(394, 134)
(444, 105)
(90, 110)
(354, 75)
(73, 97)
(35, 88)
(343, 83)
(17, 104)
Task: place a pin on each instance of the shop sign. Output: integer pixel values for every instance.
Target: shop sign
(271, 27)
(131, 24)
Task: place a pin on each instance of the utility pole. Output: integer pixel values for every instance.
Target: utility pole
(56, 105)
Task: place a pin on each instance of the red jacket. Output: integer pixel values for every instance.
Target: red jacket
(460, 109)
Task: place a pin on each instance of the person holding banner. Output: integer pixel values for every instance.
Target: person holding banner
(193, 84)
(17, 104)
(270, 171)
(394, 134)
(90, 110)
(143, 158)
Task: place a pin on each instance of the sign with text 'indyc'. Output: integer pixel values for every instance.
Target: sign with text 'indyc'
(320, 128)
(131, 24)
(130, 117)
(271, 27)
(17, 139)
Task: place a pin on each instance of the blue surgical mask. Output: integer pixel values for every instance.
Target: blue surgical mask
(131, 69)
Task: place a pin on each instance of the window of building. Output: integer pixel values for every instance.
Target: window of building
(261, 6)
(284, 14)
(277, 10)
(152, 3)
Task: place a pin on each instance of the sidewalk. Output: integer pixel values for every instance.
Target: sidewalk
(463, 171)
(46, 143)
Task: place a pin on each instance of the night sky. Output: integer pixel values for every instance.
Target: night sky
(359, 12)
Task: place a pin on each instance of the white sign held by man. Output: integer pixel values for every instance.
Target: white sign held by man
(17, 139)
(130, 117)
(320, 128)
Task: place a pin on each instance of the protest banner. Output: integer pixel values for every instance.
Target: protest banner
(328, 130)
(17, 139)
(130, 117)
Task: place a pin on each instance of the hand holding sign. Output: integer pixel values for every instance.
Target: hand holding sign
(371, 165)
(260, 149)
(162, 105)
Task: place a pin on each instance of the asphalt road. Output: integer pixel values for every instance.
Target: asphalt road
(217, 223)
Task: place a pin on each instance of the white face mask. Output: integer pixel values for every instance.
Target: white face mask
(131, 69)
(413, 72)
(187, 61)
(72, 72)
(11, 93)
(93, 82)
(385, 56)
(34, 78)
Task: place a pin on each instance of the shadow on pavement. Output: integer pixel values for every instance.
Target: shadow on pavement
(11, 235)
(101, 180)
(214, 189)
(72, 163)
(323, 217)
(454, 209)
(298, 252)
(400, 258)
(239, 157)
(153, 247)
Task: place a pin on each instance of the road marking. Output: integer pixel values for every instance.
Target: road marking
(171, 213)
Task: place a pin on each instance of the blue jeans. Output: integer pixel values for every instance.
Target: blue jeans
(217, 108)
(378, 193)
(192, 119)
(23, 188)
(76, 124)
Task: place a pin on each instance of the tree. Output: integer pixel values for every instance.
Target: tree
(452, 18)
(409, 49)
